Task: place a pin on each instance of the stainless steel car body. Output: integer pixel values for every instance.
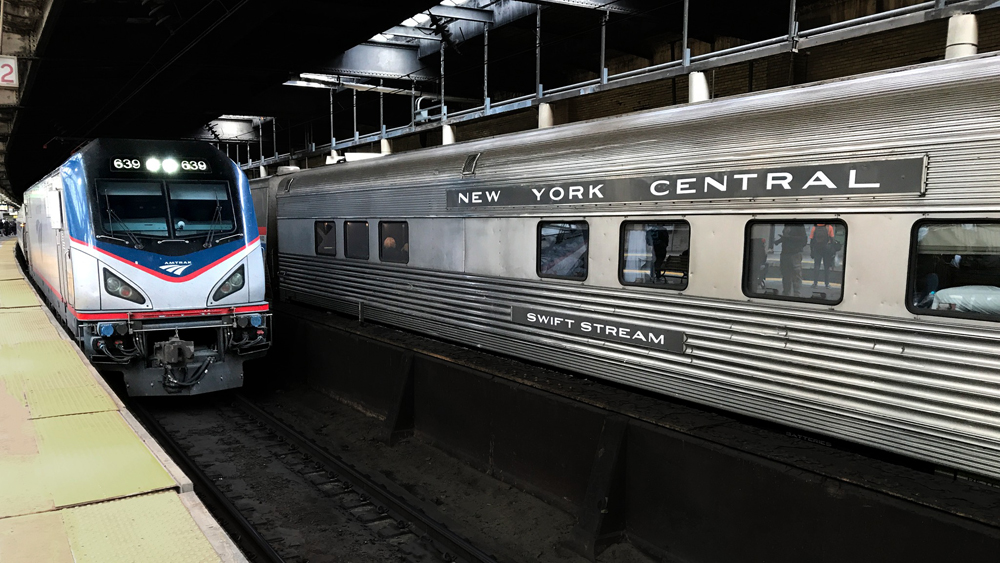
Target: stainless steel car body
(866, 370)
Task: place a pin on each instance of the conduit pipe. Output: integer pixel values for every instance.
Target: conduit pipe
(963, 36)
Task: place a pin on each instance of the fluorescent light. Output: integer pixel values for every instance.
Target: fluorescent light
(170, 166)
(410, 22)
(153, 164)
(421, 18)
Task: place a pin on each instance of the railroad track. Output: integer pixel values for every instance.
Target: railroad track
(384, 517)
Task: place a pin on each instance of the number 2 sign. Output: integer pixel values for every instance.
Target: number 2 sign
(8, 72)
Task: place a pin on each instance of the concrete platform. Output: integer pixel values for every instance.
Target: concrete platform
(80, 479)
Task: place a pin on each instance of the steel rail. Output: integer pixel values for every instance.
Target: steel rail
(248, 538)
(456, 544)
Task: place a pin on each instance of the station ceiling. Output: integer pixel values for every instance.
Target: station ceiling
(165, 68)
(312, 73)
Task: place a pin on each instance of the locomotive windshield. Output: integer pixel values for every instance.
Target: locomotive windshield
(165, 210)
(199, 208)
(138, 208)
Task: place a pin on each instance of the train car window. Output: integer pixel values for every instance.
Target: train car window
(796, 261)
(197, 208)
(395, 241)
(655, 254)
(132, 208)
(955, 269)
(356, 239)
(326, 238)
(562, 249)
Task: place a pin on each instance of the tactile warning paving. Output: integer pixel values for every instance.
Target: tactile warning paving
(76, 459)
(18, 326)
(51, 379)
(9, 271)
(16, 293)
(149, 528)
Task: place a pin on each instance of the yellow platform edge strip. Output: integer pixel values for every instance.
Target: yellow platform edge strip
(150, 528)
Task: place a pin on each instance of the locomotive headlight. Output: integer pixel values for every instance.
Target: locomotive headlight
(170, 166)
(117, 287)
(153, 164)
(231, 285)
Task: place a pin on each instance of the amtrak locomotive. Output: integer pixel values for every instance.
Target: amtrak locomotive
(149, 252)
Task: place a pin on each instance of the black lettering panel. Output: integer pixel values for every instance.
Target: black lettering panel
(875, 177)
(602, 329)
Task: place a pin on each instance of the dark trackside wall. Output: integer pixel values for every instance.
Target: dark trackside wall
(679, 482)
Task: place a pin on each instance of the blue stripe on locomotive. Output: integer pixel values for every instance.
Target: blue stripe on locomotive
(79, 222)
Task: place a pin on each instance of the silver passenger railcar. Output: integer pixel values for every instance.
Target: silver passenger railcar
(826, 257)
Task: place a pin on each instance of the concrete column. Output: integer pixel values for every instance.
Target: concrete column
(386, 147)
(545, 117)
(447, 135)
(963, 36)
(697, 87)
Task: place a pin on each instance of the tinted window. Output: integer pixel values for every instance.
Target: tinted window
(955, 269)
(562, 250)
(655, 253)
(326, 238)
(136, 207)
(394, 237)
(798, 261)
(356, 239)
(198, 208)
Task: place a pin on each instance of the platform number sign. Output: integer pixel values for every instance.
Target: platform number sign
(8, 72)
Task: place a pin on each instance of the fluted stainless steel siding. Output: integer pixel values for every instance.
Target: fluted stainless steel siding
(892, 384)
(927, 388)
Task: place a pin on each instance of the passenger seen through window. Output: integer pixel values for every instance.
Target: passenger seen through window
(956, 269)
(798, 260)
(655, 253)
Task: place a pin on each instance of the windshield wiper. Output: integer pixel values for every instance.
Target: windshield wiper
(216, 218)
(114, 217)
(234, 235)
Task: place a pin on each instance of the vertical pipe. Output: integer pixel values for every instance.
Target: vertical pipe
(604, 43)
(1, 25)
(486, 66)
(413, 103)
(538, 51)
(381, 109)
(793, 26)
(685, 52)
(333, 135)
(354, 94)
(444, 110)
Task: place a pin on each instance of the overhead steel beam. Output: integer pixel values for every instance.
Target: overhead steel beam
(461, 13)
(504, 12)
(380, 60)
(620, 7)
(421, 33)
